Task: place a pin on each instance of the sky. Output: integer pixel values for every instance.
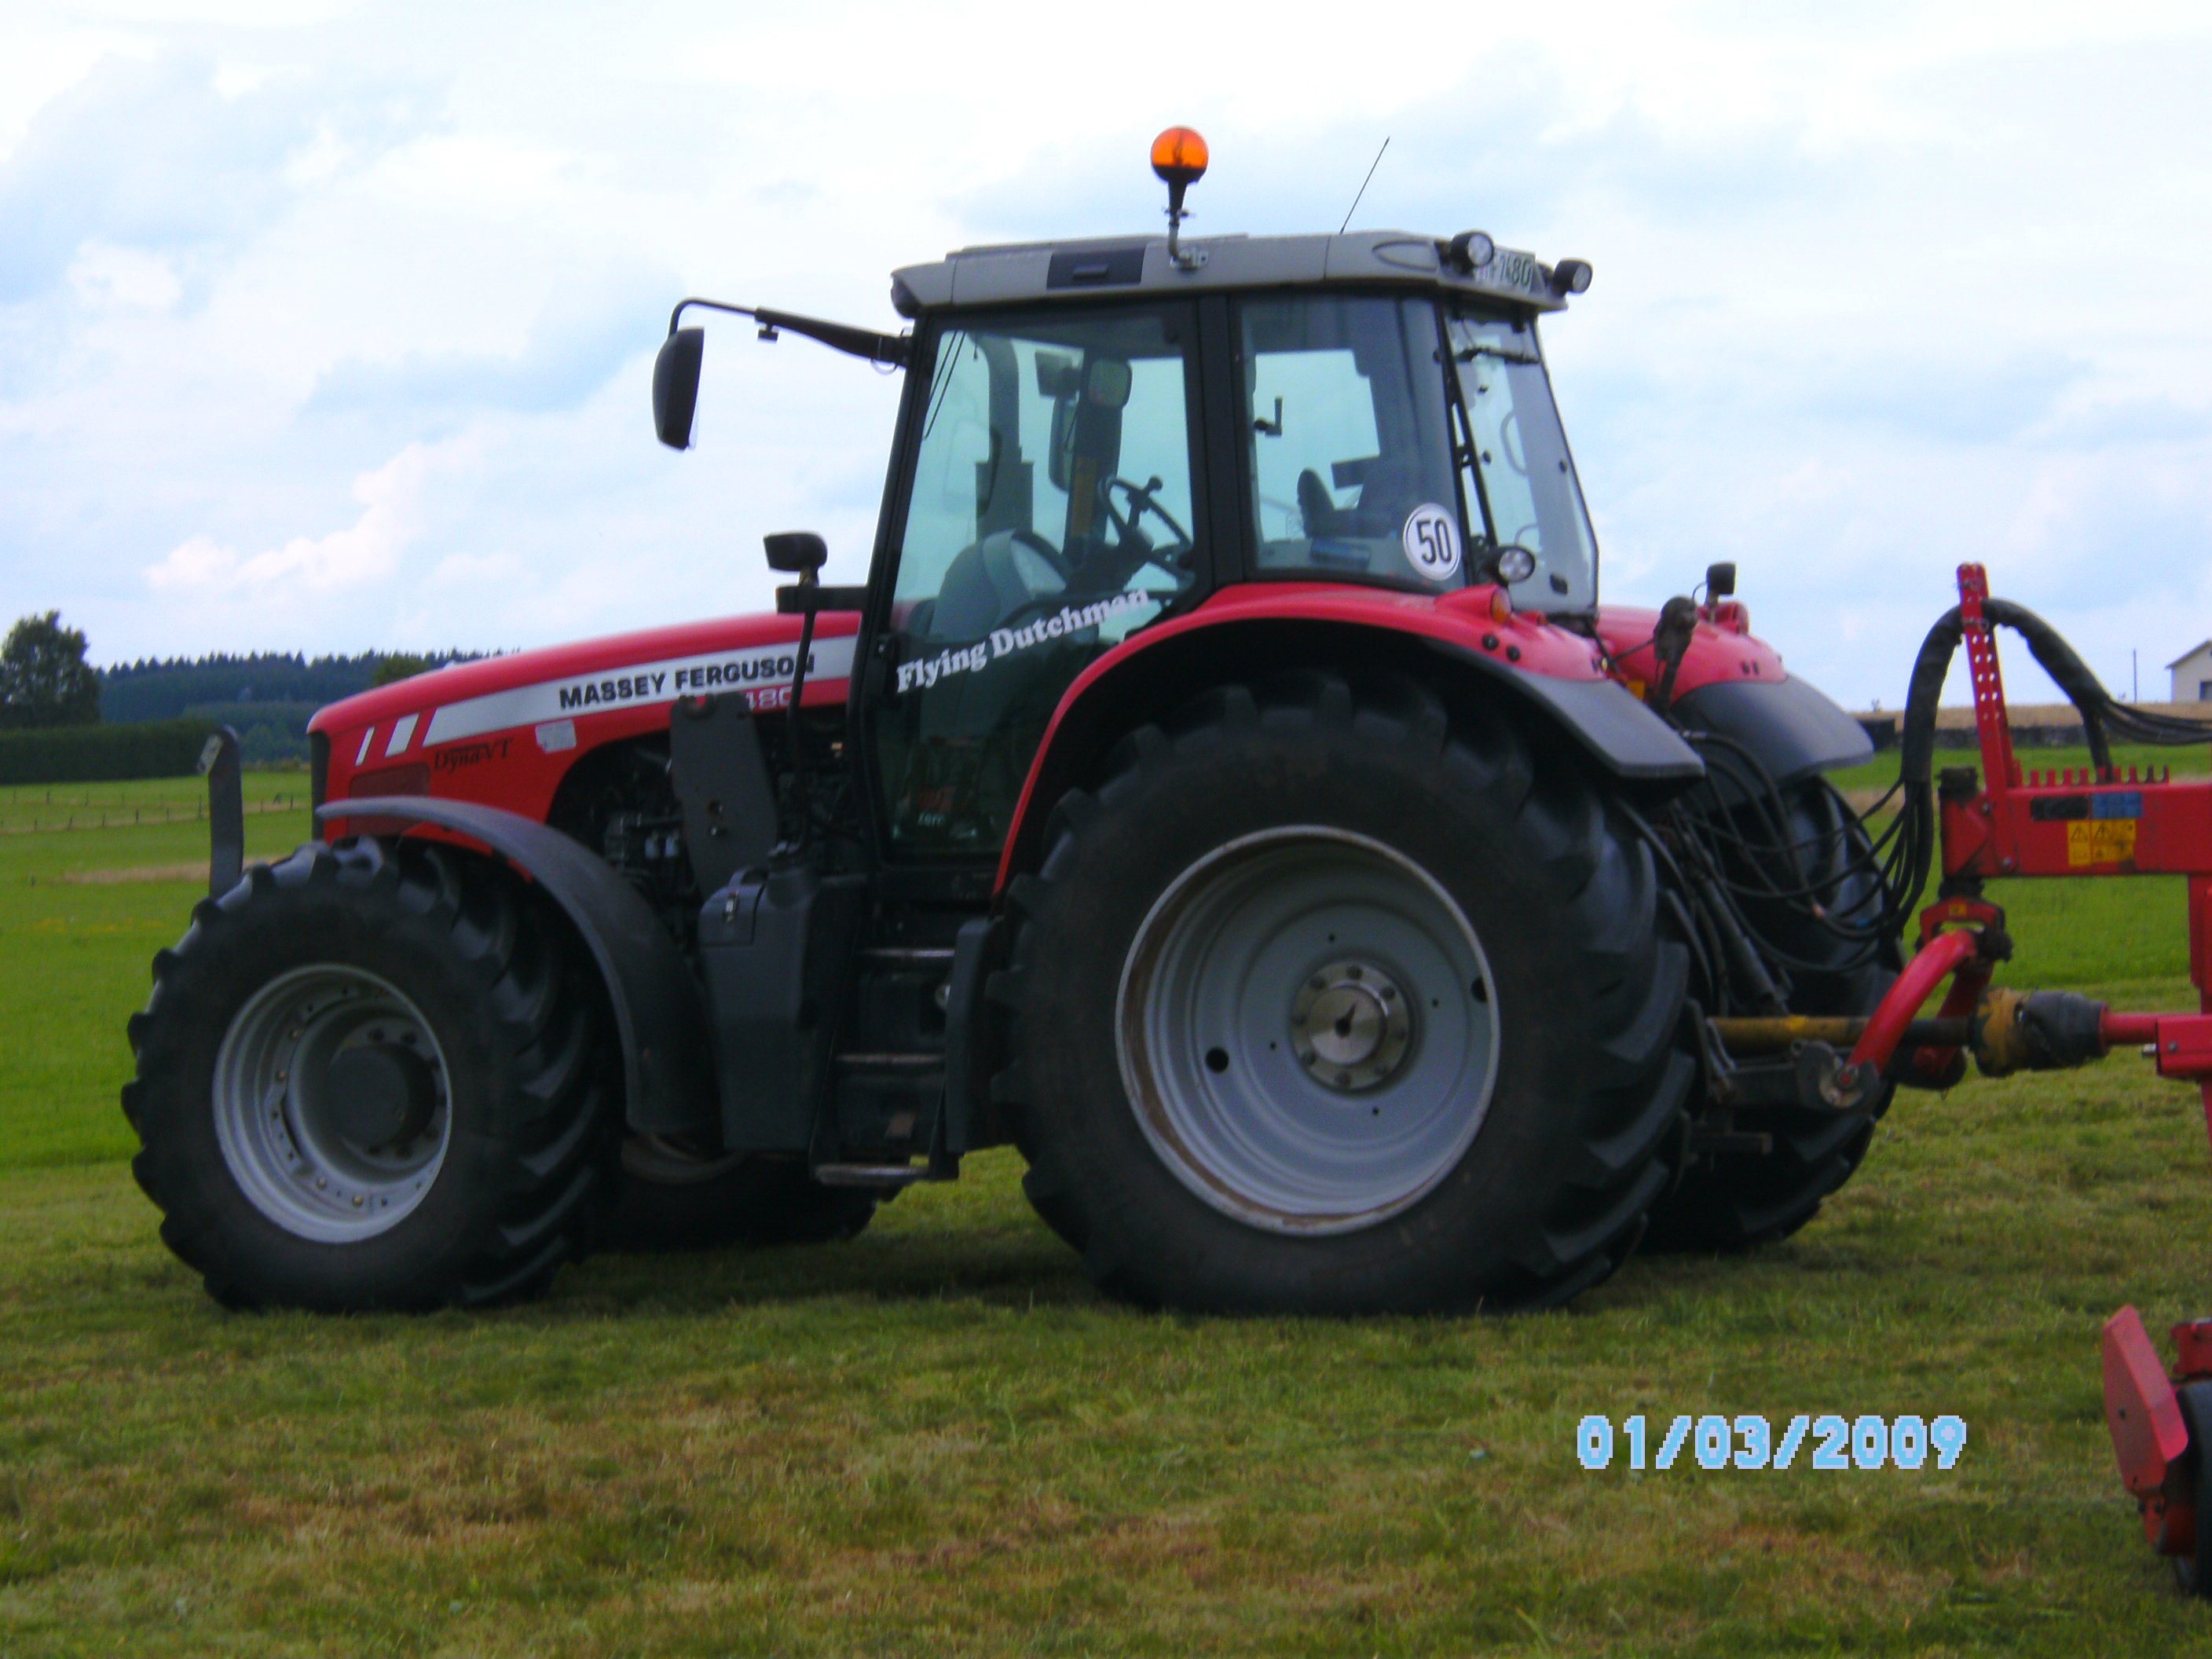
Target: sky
(330, 326)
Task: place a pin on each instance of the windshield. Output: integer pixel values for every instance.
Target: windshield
(1522, 476)
(1351, 458)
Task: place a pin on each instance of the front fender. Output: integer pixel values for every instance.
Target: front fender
(1793, 727)
(667, 1071)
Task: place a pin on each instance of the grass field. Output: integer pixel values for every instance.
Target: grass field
(937, 1439)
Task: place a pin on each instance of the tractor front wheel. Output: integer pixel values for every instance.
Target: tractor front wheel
(369, 1077)
(1740, 1199)
(1323, 1003)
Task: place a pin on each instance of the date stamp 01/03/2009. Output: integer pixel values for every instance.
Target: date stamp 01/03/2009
(1828, 1442)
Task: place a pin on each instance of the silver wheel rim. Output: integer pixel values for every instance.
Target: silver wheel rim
(1306, 1029)
(288, 1103)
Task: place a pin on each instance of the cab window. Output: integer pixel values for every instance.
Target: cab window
(1351, 460)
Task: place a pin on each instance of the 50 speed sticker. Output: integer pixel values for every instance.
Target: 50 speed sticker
(1828, 1442)
(1432, 541)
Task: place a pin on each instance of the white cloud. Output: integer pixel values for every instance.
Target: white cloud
(366, 552)
(1878, 288)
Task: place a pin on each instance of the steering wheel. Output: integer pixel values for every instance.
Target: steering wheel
(1124, 520)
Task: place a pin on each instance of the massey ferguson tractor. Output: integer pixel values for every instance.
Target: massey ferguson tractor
(1228, 789)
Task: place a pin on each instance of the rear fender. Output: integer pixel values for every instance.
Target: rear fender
(668, 1083)
(1158, 670)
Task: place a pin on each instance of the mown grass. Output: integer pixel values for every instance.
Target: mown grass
(937, 1439)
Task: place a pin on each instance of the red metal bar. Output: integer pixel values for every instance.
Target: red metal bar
(2121, 1030)
(2000, 771)
(1930, 966)
(2200, 939)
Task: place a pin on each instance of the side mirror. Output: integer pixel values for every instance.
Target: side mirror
(675, 385)
(1720, 581)
(796, 552)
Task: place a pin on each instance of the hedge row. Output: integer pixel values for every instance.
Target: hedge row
(103, 754)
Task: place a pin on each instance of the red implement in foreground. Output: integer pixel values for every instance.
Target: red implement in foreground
(2095, 821)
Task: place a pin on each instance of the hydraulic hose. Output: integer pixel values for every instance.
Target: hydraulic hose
(2102, 716)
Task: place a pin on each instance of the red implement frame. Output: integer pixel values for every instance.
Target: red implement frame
(2090, 822)
(2074, 822)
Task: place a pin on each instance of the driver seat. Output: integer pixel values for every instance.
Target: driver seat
(988, 581)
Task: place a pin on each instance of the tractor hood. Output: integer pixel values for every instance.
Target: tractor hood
(515, 722)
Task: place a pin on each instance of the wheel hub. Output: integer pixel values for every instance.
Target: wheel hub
(331, 1103)
(1349, 1026)
(1279, 1069)
(378, 1095)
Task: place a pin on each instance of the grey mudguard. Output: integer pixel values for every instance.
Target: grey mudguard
(669, 1085)
(1621, 734)
(1792, 727)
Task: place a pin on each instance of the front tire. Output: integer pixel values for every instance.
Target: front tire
(369, 1077)
(1224, 1107)
(1739, 1200)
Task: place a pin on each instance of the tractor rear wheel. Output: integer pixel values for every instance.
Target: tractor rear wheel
(675, 1196)
(1324, 1004)
(369, 1077)
(1740, 1201)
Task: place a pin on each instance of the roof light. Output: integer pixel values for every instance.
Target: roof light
(1570, 277)
(1179, 156)
(1471, 250)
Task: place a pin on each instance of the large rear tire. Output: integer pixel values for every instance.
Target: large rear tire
(1322, 1003)
(1739, 1200)
(369, 1077)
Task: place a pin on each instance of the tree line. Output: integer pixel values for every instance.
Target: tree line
(45, 681)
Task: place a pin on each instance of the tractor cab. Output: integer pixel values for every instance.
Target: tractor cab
(1101, 436)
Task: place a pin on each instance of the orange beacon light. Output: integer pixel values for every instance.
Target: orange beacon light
(1179, 157)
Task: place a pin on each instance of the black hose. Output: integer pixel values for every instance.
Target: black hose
(2100, 713)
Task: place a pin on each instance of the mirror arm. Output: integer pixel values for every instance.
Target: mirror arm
(895, 350)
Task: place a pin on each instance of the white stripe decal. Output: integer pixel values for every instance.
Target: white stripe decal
(751, 668)
(367, 738)
(402, 735)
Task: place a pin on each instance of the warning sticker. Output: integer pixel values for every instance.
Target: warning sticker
(2100, 841)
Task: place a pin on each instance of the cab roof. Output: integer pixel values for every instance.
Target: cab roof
(1135, 264)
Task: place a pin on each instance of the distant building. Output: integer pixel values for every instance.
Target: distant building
(2192, 675)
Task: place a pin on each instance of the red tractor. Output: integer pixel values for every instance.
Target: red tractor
(1228, 789)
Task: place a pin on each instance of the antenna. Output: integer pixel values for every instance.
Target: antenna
(1364, 183)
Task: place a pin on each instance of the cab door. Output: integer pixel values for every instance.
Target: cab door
(1049, 513)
